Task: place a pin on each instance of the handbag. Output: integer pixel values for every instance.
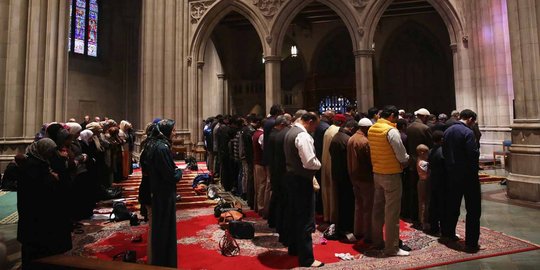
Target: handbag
(228, 246)
(241, 229)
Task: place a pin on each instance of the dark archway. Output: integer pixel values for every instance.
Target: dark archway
(333, 71)
(414, 68)
(241, 61)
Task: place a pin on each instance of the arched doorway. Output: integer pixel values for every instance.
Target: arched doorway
(323, 41)
(233, 73)
(413, 65)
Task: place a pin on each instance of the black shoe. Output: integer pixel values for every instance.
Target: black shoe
(403, 246)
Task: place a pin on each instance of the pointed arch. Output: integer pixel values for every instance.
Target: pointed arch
(444, 8)
(214, 16)
(291, 9)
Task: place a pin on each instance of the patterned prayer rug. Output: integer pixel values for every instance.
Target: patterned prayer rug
(199, 236)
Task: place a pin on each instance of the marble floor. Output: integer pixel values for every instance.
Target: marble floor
(519, 221)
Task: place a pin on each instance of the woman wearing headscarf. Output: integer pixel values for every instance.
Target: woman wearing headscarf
(101, 165)
(126, 134)
(89, 148)
(43, 228)
(115, 152)
(157, 161)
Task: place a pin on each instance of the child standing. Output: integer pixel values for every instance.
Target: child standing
(423, 185)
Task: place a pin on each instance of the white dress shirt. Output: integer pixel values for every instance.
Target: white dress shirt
(306, 149)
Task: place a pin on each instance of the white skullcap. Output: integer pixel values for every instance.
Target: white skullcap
(365, 122)
(422, 111)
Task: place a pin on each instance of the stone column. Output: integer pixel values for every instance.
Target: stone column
(524, 178)
(364, 79)
(221, 87)
(199, 116)
(272, 70)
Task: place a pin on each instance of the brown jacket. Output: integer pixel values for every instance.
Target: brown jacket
(359, 159)
(417, 133)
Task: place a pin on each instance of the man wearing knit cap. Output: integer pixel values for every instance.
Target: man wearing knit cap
(361, 175)
(328, 188)
(417, 133)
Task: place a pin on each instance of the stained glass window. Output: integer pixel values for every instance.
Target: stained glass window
(83, 33)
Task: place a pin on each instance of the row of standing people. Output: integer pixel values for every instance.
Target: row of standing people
(347, 176)
(60, 178)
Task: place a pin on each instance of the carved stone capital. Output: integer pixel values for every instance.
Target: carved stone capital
(268, 39)
(189, 60)
(272, 58)
(197, 9)
(268, 8)
(200, 64)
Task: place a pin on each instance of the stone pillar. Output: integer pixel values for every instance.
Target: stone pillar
(272, 70)
(364, 79)
(524, 178)
(225, 95)
(199, 116)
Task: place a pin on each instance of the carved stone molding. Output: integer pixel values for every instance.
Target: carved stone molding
(268, 8)
(198, 8)
(359, 3)
(268, 39)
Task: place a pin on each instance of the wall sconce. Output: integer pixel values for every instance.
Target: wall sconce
(294, 51)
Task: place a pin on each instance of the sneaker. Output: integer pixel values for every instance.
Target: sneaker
(400, 252)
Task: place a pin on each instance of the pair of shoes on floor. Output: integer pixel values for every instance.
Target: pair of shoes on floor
(317, 264)
(400, 252)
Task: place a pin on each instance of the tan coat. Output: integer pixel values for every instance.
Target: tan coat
(329, 188)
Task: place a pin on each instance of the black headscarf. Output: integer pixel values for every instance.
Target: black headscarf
(166, 126)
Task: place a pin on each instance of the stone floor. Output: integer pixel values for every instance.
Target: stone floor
(518, 221)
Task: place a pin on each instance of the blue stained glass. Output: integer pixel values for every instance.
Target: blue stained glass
(81, 3)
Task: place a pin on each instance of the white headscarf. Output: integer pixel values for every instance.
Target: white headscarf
(86, 135)
(74, 128)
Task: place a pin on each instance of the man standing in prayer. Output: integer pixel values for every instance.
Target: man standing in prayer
(340, 175)
(301, 164)
(328, 187)
(278, 201)
(361, 175)
(389, 158)
(417, 133)
(318, 137)
(460, 151)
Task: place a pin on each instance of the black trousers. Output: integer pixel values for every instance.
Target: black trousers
(437, 203)
(463, 186)
(410, 196)
(301, 212)
(345, 206)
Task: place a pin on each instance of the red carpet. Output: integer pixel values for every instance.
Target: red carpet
(199, 235)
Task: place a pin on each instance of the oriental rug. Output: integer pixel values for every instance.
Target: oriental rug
(199, 234)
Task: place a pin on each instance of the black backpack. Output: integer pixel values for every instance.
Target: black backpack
(120, 212)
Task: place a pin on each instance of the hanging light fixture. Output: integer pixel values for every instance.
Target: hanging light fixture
(263, 59)
(294, 51)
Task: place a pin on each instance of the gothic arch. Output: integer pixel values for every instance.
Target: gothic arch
(213, 17)
(291, 8)
(321, 45)
(444, 8)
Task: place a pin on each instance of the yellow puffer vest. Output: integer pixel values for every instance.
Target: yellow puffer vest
(382, 154)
